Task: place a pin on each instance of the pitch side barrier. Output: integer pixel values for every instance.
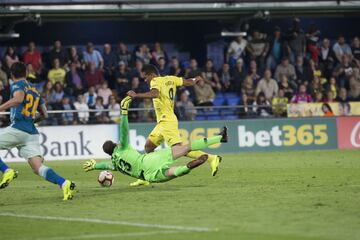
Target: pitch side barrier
(249, 135)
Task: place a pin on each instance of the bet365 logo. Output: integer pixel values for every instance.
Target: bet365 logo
(286, 135)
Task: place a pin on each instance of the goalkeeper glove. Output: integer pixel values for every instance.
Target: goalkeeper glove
(89, 165)
(125, 105)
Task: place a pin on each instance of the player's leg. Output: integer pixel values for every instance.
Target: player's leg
(8, 140)
(154, 140)
(179, 171)
(183, 150)
(172, 137)
(31, 151)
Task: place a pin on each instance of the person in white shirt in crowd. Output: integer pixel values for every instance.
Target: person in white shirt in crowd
(341, 48)
(236, 50)
(267, 85)
(82, 108)
(114, 109)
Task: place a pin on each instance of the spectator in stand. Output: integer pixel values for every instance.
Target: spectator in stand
(355, 49)
(343, 96)
(332, 86)
(90, 97)
(146, 115)
(246, 109)
(57, 95)
(114, 110)
(32, 76)
(163, 69)
(236, 50)
(193, 70)
(326, 109)
(67, 118)
(93, 56)
(248, 88)
(225, 77)
(262, 107)
(93, 76)
(210, 76)
(57, 52)
(258, 48)
(319, 98)
(143, 54)
(157, 53)
(253, 71)
(75, 82)
(136, 87)
(304, 74)
(238, 75)
(341, 48)
(122, 79)
(354, 83)
(57, 73)
(312, 39)
(100, 116)
(185, 107)
(327, 58)
(81, 106)
(123, 54)
(302, 96)
(46, 93)
(343, 71)
(315, 86)
(286, 87)
(175, 68)
(137, 71)
(285, 68)
(204, 93)
(267, 85)
(105, 92)
(74, 57)
(33, 57)
(279, 104)
(3, 76)
(296, 41)
(330, 97)
(110, 62)
(10, 58)
(275, 47)
(4, 91)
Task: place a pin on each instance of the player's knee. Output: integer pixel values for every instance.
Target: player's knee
(149, 147)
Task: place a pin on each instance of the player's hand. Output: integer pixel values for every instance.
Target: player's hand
(89, 165)
(131, 94)
(124, 105)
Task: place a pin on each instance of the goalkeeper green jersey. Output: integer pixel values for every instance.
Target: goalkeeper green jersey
(128, 161)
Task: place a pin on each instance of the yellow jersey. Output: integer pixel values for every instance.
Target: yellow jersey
(164, 104)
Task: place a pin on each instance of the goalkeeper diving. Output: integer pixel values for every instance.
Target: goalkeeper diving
(154, 166)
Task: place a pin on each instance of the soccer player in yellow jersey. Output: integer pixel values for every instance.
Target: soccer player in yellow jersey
(163, 92)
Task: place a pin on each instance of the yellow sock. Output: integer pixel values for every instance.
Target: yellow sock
(197, 154)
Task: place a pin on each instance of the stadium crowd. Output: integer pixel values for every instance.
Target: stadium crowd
(263, 71)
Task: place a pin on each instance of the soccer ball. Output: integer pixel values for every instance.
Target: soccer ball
(106, 178)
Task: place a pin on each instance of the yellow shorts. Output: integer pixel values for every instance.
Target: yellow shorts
(165, 131)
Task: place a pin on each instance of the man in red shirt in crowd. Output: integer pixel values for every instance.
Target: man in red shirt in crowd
(33, 57)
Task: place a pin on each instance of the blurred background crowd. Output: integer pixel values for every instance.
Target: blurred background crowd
(262, 72)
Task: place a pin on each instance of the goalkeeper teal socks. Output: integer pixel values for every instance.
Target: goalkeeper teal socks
(181, 170)
(205, 142)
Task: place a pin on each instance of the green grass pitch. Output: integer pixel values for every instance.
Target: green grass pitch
(281, 196)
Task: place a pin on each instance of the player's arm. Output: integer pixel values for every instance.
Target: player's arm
(124, 123)
(153, 93)
(43, 113)
(191, 81)
(13, 102)
(93, 165)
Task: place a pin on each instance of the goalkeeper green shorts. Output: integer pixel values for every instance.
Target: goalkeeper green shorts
(156, 163)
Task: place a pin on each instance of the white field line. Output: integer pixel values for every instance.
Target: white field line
(110, 235)
(111, 222)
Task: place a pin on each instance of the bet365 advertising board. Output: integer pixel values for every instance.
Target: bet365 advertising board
(255, 134)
